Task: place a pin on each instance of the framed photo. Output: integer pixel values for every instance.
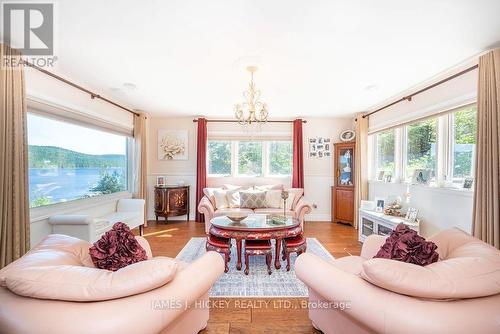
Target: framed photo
(380, 176)
(421, 176)
(379, 204)
(411, 215)
(319, 147)
(468, 182)
(347, 135)
(160, 181)
(172, 144)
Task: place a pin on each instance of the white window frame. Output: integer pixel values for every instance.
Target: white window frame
(45, 211)
(234, 159)
(444, 151)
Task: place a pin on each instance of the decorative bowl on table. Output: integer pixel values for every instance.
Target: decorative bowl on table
(236, 218)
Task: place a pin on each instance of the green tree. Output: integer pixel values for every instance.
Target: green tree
(250, 157)
(40, 201)
(219, 157)
(421, 149)
(280, 157)
(385, 151)
(110, 183)
(465, 127)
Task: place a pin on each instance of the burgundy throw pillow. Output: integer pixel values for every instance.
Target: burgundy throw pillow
(405, 245)
(116, 249)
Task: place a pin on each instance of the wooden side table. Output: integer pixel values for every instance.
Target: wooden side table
(171, 201)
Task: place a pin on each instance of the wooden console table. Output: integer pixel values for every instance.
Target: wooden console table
(171, 201)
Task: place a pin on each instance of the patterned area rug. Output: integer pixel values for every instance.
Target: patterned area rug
(258, 283)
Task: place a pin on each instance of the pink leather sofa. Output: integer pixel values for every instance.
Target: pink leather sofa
(152, 311)
(343, 300)
(300, 207)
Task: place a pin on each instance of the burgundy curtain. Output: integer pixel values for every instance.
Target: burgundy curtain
(201, 164)
(298, 155)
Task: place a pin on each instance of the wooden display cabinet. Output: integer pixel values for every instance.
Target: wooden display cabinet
(343, 188)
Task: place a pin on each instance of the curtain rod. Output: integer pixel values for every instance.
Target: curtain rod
(92, 94)
(409, 97)
(235, 121)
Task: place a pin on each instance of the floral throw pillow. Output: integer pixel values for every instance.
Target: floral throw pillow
(252, 199)
(405, 245)
(116, 249)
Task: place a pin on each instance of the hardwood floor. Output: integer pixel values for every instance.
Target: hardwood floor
(254, 315)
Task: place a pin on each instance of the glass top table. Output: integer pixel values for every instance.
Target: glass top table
(255, 227)
(254, 222)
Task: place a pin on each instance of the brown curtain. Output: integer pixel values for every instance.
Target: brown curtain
(141, 158)
(201, 165)
(486, 222)
(14, 207)
(360, 164)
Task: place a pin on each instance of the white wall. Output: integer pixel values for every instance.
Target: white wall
(318, 173)
(439, 208)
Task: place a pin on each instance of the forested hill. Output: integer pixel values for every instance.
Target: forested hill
(52, 156)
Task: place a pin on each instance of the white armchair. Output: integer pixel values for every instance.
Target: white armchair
(86, 227)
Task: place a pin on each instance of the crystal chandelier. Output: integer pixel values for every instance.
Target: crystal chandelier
(252, 110)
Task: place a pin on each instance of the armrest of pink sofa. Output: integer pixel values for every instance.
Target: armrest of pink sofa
(148, 312)
(372, 245)
(207, 209)
(383, 311)
(301, 209)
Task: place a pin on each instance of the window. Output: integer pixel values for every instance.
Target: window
(219, 158)
(69, 162)
(249, 158)
(385, 151)
(464, 142)
(421, 147)
(280, 157)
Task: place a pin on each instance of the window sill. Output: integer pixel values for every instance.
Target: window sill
(434, 188)
(44, 212)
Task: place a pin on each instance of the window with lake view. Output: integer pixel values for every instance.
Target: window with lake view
(69, 162)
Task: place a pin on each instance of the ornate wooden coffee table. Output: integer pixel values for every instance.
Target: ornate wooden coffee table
(255, 227)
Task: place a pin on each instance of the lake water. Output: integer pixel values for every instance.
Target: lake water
(64, 184)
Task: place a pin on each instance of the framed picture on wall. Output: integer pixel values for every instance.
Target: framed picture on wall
(160, 181)
(172, 144)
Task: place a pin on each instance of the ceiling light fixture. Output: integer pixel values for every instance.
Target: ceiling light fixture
(252, 110)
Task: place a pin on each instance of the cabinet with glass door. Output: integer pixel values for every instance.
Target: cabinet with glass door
(343, 188)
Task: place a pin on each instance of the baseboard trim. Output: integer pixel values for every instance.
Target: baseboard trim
(318, 217)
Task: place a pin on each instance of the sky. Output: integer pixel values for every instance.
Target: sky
(48, 132)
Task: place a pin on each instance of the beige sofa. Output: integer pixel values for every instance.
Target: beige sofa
(299, 208)
(343, 299)
(179, 306)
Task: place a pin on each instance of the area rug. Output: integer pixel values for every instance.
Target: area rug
(258, 283)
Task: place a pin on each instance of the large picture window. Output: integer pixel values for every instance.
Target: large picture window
(464, 142)
(421, 147)
(445, 145)
(69, 162)
(249, 158)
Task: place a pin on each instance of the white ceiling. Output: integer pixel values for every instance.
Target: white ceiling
(315, 58)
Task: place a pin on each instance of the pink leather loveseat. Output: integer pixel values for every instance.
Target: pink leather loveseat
(179, 306)
(299, 208)
(357, 294)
